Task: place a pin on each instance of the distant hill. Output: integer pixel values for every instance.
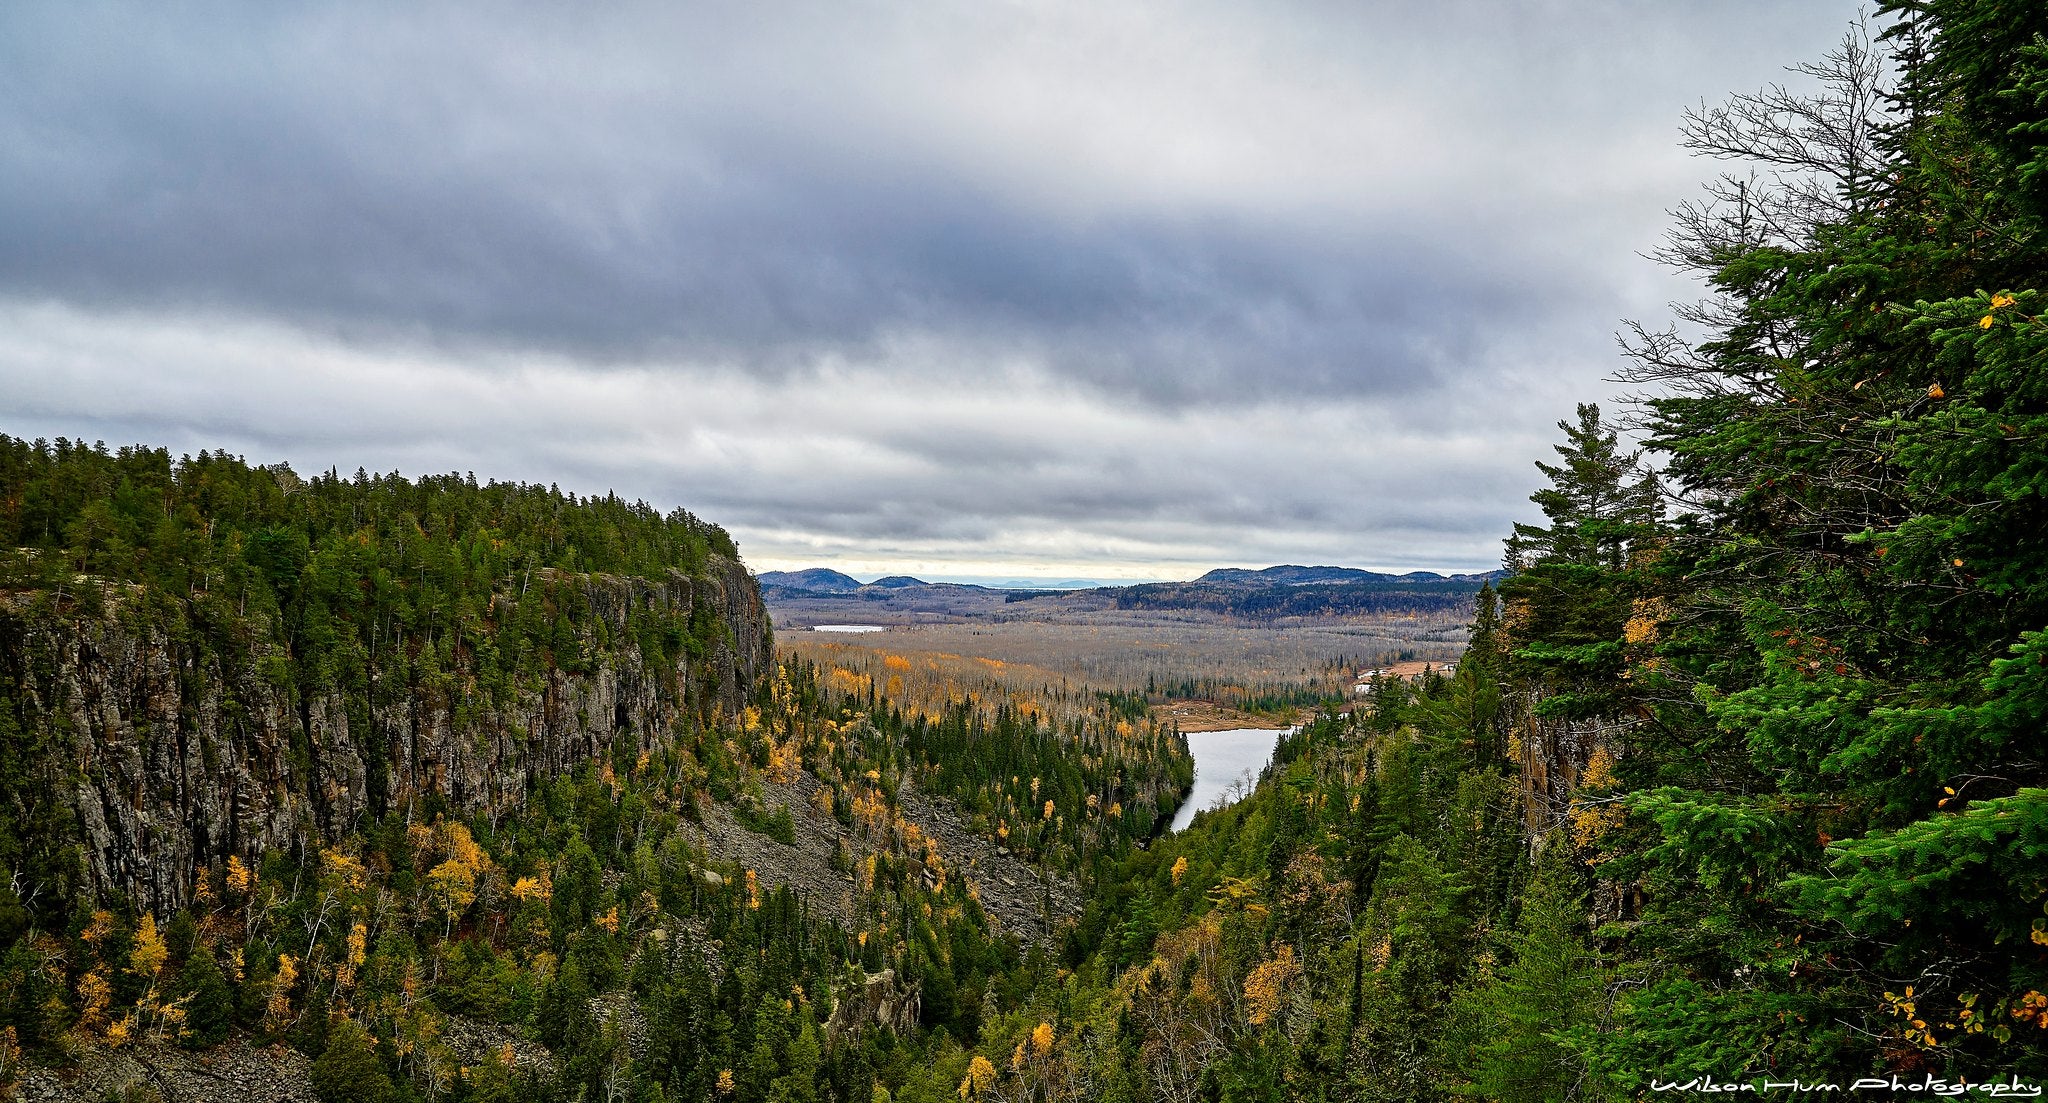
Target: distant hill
(1055, 584)
(817, 579)
(1290, 592)
(1291, 575)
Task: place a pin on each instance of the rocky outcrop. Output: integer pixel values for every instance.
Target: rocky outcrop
(1553, 755)
(1019, 898)
(181, 751)
(1023, 899)
(880, 1001)
(806, 865)
(235, 1073)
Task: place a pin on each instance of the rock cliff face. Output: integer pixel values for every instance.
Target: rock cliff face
(181, 754)
(879, 1001)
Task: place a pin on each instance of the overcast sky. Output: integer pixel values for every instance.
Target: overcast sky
(1008, 289)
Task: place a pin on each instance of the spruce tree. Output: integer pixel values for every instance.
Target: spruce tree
(1600, 501)
(1838, 843)
(210, 1002)
(1569, 600)
(1549, 988)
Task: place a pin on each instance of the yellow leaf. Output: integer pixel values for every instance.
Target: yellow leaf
(149, 952)
(1264, 989)
(981, 1075)
(239, 878)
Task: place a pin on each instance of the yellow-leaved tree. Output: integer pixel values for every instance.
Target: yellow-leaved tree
(149, 953)
(454, 885)
(1041, 1039)
(1267, 986)
(981, 1076)
(277, 1010)
(239, 879)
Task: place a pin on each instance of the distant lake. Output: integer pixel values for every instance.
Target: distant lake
(849, 628)
(1221, 758)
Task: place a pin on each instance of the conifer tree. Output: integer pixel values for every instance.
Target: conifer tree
(1600, 501)
(1568, 601)
(349, 1071)
(1845, 797)
(1561, 646)
(1549, 987)
(210, 1002)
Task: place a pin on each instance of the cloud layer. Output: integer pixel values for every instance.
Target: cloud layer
(1002, 288)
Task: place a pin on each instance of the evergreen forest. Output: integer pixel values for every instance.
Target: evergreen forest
(1742, 779)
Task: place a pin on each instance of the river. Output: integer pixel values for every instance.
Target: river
(1222, 759)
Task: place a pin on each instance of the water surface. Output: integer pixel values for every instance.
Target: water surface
(1222, 760)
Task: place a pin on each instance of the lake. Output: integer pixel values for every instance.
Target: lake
(1222, 758)
(850, 628)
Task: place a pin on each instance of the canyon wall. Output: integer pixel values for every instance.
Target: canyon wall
(175, 749)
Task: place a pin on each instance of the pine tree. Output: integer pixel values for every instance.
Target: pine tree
(1561, 644)
(1139, 928)
(1845, 794)
(563, 1018)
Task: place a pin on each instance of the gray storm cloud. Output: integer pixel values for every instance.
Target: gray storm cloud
(1030, 284)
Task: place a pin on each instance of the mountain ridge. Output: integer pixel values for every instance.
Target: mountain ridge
(825, 580)
(817, 579)
(1295, 575)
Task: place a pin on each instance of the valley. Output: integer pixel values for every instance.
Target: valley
(1232, 647)
(320, 787)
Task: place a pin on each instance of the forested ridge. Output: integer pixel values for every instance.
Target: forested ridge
(336, 636)
(1744, 775)
(1269, 601)
(422, 779)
